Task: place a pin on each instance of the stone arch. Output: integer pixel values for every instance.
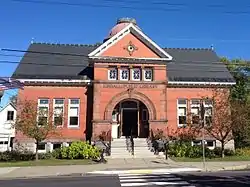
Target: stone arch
(129, 94)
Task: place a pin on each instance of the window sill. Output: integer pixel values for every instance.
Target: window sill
(182, 126)
(73, 127)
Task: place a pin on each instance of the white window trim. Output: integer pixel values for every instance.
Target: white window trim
(73, 105)
(109, 74)
(144, 74)
(43, 105)
(195, 106)
(132, 74)
(208, 106)
(58, 105)
(13, 116)
(120, 74)
(181, 106)
(42, 150)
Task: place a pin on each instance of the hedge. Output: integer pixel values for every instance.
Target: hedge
(77, 150)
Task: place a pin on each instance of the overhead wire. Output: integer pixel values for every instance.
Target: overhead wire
(98, 5)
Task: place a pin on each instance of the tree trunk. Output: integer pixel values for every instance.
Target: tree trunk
(36, 151)
(222, 149)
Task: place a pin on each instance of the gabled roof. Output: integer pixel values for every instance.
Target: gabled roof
(196, 65)
(2, 109)
(131, 28)
(51, 66)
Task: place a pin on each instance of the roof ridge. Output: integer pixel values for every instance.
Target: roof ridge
(190, 48)
(66, 44)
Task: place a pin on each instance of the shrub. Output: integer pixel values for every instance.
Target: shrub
(56, 153)
(9, 156)
(78, 150)
(229, 152)
(243, 152)
(45, 156)
(178, 149)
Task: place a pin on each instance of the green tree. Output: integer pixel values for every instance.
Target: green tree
(35, 123)
(240, 93)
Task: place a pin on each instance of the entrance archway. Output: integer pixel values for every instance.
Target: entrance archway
(116, 112)
(130, 117)
(130, 94)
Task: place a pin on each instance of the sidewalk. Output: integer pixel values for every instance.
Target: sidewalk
(116, 164)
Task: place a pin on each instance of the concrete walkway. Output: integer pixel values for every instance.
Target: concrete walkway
(115, 164)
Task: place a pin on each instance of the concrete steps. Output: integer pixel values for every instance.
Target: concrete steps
(141, 149)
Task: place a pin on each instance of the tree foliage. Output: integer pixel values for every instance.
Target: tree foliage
(33, 123)
(228, 115)
(240, 93)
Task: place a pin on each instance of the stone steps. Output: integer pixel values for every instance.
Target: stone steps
(141, 149)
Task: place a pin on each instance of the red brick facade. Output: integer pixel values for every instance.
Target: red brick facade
(98, 100)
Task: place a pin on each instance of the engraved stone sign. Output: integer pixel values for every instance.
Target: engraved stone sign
(129, 86)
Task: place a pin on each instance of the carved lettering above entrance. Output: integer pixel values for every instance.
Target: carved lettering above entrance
(129, 86)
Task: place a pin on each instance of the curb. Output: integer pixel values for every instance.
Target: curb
(231, 168)
(147, 171)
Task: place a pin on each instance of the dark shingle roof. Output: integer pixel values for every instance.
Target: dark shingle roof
(187, 64)
(198, 65)
(44, 65)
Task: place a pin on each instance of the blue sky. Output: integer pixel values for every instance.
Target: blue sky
(195, 23)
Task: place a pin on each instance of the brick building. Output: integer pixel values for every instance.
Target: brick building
(127, 82)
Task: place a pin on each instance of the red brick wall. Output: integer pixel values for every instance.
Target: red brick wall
(173, 94)
(34, 93)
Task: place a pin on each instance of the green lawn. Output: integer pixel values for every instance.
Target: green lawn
(227, 159)
(53, 162)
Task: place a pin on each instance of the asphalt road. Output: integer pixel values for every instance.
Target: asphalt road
(218, 179)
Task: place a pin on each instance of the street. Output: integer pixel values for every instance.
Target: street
(216, 179)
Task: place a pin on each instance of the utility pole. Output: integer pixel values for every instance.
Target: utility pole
(203, 121)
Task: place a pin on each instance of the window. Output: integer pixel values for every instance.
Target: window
(124, 74)
(41, 146)
(4, 143)
(43, 110)
(195, 111)
(148, 74)
(136, 74)
(10, 115)
(112, 74)
(208, 116)
(57, 145)
(196, 142)
(182, 112)
(58, 112)
(74, 112)
(210, 143)
(208, 105)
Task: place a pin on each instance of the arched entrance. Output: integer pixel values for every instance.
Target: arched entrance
(130, 117)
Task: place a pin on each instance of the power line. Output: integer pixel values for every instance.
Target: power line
(180, 62)
(81, 55)
(92, 5)
(85, 66)
(129, 7)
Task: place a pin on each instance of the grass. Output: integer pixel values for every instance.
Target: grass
(226, 159)
(52, 162)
